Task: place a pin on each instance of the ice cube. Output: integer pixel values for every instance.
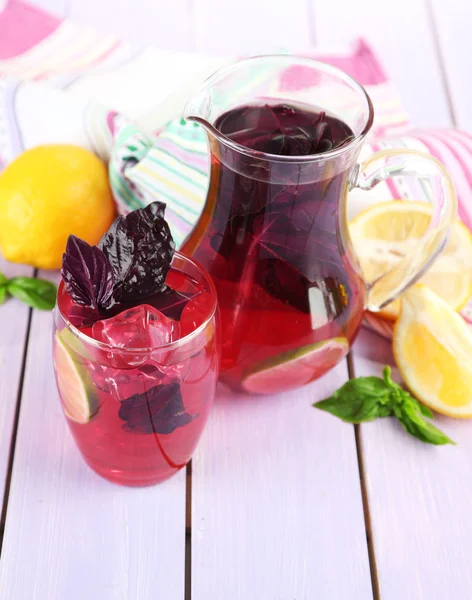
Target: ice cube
(115, 382)
(121, 383)
(139, 327)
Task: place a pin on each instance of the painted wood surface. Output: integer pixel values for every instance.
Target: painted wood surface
(453, 21)
(251, 526)
(248, 27)
(56, 7)
(70, 534)
(417, 495)
(276, 501)
(14, 318)
(419, 504)
(397, 32)
(168, 25)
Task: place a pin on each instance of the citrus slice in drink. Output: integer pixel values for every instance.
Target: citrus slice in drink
(385, 232)
(78, 394)
(295, 367)
(433, 348)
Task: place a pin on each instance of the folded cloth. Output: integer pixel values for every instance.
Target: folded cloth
(73, 84)
(60, 83)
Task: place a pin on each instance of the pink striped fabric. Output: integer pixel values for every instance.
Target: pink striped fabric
(454, 149)
(22, 27)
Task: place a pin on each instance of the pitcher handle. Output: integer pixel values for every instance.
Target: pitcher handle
(392, 163)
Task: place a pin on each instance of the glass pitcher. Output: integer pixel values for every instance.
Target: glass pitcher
(284, 134)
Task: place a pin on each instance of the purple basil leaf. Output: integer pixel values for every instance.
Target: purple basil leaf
(284, 282)
(283, 245)
(273, 115)
(277, 144)
(159, 410)
(232, 238)
(290, 271)
(288, 235)
(139, 247)
(320, 125)
(171, 303)
(82, 316)
(87, 274)
(279, 237)
(296, 243)
(324, 146)
(287, 284)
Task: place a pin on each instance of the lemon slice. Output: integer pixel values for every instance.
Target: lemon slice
(433, 350)
(78, 394)
(296, 367)
(384, 233)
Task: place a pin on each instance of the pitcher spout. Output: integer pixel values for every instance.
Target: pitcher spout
(198, 109)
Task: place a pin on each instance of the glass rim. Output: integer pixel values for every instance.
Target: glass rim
(311, 62)
(163, 347)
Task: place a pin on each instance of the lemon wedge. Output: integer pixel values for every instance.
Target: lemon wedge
(432, 345)
(385, 232)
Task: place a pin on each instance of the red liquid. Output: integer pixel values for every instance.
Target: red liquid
(274, 239)
(121, 441)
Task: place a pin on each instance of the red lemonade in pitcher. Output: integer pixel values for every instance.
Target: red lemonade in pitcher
(274, 239)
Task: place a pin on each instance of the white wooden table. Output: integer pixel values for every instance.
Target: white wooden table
(282, 502)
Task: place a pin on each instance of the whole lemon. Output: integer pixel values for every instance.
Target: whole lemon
(46, 194)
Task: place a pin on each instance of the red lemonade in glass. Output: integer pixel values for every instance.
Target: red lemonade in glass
(138, 378)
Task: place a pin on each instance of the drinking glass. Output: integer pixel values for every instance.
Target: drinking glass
(137, 413)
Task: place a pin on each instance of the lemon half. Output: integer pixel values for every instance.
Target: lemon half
(384, 233)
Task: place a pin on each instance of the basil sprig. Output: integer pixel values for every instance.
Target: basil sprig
(37, 293)
(368, 398)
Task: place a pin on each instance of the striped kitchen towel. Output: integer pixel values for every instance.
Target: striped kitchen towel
(93, 90)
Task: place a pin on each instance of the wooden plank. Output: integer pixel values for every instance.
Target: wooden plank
(276, 501)
(247, 27)
(166, 25)
(404, 42)
(419, 502)
(69, 533)
(417, 495)
(57, 8)
(14, 318)
(452, 23)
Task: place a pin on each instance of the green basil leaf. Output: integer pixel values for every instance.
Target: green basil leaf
(424, 410)
(3, 294)
(368, 398)
(415, 425)
(359, 400)
(387, 375)
(385, 410)
(393, 385)
(3, 280)
(37, 293)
